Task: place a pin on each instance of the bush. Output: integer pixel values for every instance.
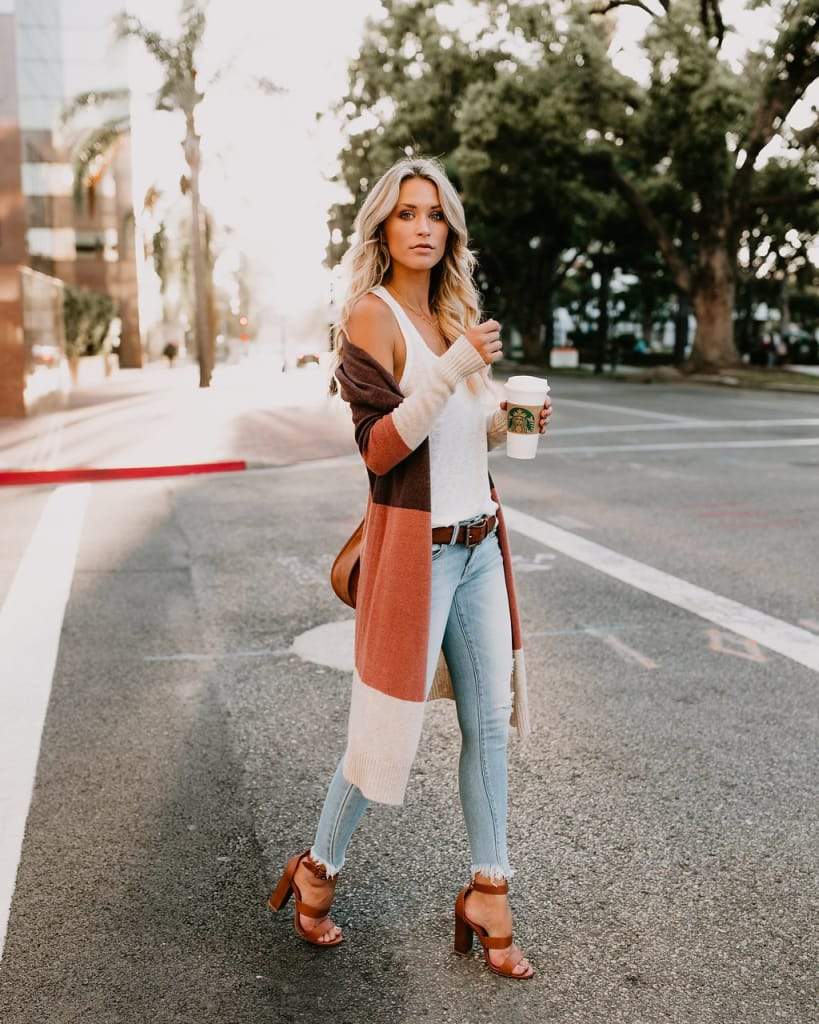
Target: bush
(87, 315)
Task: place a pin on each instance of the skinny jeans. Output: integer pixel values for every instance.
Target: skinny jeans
(469, 618)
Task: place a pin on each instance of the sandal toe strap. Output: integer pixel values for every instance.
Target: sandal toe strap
(509, 964)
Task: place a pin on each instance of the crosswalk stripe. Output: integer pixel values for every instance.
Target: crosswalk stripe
(31, 620)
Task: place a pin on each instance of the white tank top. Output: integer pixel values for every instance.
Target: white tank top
(459, 483)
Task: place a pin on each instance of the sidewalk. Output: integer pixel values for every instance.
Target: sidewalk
(157, 416)
(798, 379)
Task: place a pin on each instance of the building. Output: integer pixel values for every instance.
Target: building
(50, 51)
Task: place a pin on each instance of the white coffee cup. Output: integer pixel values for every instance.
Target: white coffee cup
(524, 400)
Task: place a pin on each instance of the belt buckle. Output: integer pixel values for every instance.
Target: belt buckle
(469, 542)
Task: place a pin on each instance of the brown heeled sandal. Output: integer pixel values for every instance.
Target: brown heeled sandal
(281, 894)
(464, 930)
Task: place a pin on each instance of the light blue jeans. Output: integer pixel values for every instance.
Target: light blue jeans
(469, 617)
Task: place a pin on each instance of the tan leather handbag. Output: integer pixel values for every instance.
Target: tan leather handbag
(346, 567)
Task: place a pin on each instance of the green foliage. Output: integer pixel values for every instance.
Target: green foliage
(568, 166)
(87, 316)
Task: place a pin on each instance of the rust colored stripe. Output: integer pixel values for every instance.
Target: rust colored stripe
(392, 606)
(385, 446)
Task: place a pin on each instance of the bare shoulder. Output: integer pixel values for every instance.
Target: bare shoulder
(371, 326)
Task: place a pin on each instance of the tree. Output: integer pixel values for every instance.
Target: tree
(705, 124)
(403, 90)
(87, 316)
(180, 93)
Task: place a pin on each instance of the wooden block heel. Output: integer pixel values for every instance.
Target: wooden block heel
(281, 894)
(463, 936)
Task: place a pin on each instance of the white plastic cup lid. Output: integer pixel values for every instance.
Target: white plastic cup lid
(537, 385)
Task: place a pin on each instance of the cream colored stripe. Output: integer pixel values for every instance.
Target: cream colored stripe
(382, 737)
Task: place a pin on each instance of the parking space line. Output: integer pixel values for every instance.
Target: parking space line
(628, 410)
(790, 442)
(616, 428)
(791, 641)
(31, 621)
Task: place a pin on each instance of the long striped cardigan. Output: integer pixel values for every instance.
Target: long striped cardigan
(394, 587)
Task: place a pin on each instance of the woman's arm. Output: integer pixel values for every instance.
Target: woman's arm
(387, 438)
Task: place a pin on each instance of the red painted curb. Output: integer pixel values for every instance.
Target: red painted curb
(60, 476)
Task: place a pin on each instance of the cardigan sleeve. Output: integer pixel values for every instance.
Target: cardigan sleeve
(395, 435)
(495, 429)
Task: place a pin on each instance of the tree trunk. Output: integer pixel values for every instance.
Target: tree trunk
(647, 324)
(549, 316)
(532, 348)
(680, 329)
(603, 316)
(204, 346)
(785, 308)
(713, 302)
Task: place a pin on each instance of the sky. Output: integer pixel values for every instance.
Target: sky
(267, 157)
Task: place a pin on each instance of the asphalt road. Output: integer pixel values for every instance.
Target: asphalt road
(663, 813)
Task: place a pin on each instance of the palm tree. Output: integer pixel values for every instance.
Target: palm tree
(179, 93)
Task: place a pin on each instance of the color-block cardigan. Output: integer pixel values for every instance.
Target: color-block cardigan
(394, 588)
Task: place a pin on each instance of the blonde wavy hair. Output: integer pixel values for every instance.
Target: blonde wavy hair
(453, 297)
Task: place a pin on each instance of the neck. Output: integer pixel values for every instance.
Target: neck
(411, 285)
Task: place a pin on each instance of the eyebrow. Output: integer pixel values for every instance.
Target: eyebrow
(412, 206)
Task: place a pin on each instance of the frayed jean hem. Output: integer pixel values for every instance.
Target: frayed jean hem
(496, 872)
(331, 869)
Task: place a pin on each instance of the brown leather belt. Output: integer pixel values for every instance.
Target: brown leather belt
(469, 534)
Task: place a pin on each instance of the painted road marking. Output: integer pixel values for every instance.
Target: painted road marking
(757, 424)
(797, 644)
(629, 411)
(331, 644)
(31, 620)
(623, 649)
(18, 477)
(523, 564)
(791, 442)
(268, 652)
(730, 643)
(569, 523)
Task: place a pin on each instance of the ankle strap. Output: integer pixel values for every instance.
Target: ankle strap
(498, 889)
(318, 870)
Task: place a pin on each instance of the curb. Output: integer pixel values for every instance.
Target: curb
(13, 478)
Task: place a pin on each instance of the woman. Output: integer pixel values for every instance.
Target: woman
(433, 619)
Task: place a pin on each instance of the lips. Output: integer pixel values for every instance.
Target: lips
(429, 248)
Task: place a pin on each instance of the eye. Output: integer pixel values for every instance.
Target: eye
(407, 212)
(438, 215)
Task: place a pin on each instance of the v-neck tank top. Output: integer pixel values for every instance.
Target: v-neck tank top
(458, 464)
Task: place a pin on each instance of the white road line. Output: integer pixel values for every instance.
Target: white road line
(797, 644)
(30, 624)
(757, 424)
(628, 410)
(810, 624)
(791, 442)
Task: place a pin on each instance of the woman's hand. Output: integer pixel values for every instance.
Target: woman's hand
(545, 414)
(485, 339)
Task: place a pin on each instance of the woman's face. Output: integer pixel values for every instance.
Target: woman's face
(416, 230)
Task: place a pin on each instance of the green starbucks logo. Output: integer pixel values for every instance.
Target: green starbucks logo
(521, 420)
